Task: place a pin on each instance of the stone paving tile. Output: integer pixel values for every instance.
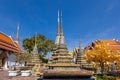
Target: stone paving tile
(4, 76)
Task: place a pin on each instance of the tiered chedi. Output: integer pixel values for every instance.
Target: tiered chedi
(79, 55)
(35, 58)
(60, 59)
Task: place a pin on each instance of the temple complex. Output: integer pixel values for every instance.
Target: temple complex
(8, 50)
(60, 59)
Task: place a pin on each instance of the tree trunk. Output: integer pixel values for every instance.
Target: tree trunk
(102, 68)
(25, 63)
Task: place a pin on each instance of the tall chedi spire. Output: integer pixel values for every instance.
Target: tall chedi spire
(80, 47)
(35, 50)
(17, 35)
(60, 37)
(60, 59)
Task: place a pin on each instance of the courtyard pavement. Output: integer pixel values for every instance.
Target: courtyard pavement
(4, 76)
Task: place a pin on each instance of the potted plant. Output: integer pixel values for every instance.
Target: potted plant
(26, 58)
(13, 71)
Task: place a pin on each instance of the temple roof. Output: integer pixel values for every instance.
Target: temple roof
(71, 54)
(75, 51)
(113, 44)
(7, 43)
(5, 38)
(115, 47)
(110, 42)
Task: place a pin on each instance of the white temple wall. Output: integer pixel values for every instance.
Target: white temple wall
(10, 62)
(5, 65)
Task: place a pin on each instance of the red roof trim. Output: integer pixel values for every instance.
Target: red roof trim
(3, 47)
(6, 42)
(15, 48)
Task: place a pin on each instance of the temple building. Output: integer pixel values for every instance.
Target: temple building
(60, 59)
(8, 50)
(112, 44)
(71, 54)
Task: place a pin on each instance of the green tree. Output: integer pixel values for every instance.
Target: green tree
(44, 60)
(44, 45)
(24, 57)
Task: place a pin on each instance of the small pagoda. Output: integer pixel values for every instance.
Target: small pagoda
(60, 59)
(35, 57)
(80, 58)
(79, 55)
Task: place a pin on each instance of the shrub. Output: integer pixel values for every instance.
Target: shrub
(100, 77)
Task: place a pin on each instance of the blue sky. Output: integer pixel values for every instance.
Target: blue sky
(85, 20)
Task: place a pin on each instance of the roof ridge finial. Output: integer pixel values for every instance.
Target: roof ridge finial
(35, 49)
(35, 39)
(80, 45)
(59, 23)
(17, 35)
(60, 37)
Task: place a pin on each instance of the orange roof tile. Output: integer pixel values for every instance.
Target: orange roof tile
(8, 43)
(5, 38)
(110, 42)
(114, 47)
(113, 44)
